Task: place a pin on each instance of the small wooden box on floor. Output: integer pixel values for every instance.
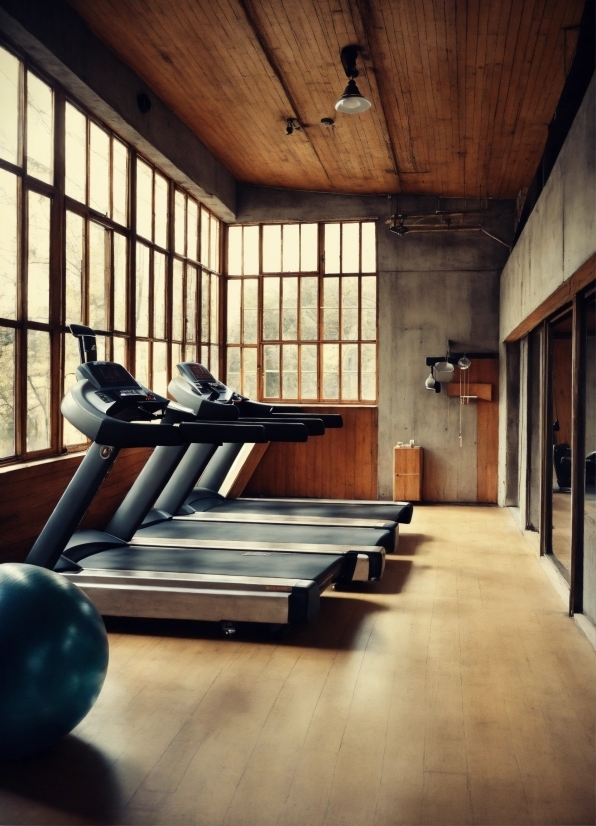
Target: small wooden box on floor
(407, 473)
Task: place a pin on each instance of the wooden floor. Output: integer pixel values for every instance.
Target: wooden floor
(456, 691)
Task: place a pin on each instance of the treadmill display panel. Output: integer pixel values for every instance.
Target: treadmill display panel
(109, 374)
(199, 372)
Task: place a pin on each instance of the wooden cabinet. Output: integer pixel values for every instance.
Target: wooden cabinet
(407, 473)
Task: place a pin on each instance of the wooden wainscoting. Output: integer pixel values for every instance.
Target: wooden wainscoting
(29, 493)
(341, 464)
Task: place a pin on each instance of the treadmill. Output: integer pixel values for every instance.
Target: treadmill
(216, 584)
(138, 523)
(194, 384)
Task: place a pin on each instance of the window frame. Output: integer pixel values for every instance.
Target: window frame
(320, 341)
(60, 205)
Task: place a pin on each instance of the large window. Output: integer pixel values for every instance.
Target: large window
(79, 242)
(302, 311)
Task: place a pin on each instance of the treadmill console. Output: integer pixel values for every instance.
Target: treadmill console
(111, 389)
(205, 384)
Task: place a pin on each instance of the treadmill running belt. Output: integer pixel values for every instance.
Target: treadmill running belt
(231, 532)
(317, 567)
(384, 511)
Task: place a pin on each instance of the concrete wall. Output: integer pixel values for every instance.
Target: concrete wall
(431, 288)
(559, 237)
(560, 234)
(53, 35)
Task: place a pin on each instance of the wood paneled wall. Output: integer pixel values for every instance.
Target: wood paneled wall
(30, 492)
(341, 464)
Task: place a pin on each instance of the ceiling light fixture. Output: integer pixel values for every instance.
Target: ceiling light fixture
(292, 125)
(352, 102)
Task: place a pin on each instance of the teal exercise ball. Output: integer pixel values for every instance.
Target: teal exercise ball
(53, 657)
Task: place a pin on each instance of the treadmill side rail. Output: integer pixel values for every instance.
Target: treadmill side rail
(120, 593)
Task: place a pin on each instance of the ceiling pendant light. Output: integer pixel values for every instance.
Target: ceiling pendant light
(352, 102)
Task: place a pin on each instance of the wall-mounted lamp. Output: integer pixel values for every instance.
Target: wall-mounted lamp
(292, 125)
(352, 102)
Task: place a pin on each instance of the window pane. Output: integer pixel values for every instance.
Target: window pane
(119, 350)
(271, 356)
(291, 248)
(9, 107)
(99, 169)
(70, 435)
(142, 362)
(161, 211)
(349, 305)
(214, 360)
(75, 154)
(368, 375)
(309, 247)
(75, 227)
(330, 357)
(7, 446)
(234, 311)
(179, 222)
(290, 371)
(144, 199)
(271, 308)
(205, 302)
(40, 129)
(160, 368)
(368, 286)
(289, 325)
(250, 305)
(249, 384)
(177, 287)
(176, 358)
(350, 248)
(331, 308)
(214, 331)
(38, 258)
(349, 372)
(159, 295)
(119, 182)
(38, 390)
(234, 251)
(142, 291)
(233, 379)
(332, 248)
(98, 278)
(369, 251)
(204, 259)
(309, 300)
(214, 245)
(251, 250)
(192, 229)
(191, 303)
(272, 248)
(120, 283)
(308, 371)
(8, 244)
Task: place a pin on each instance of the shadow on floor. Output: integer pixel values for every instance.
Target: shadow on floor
(409, 542)
(71, 777)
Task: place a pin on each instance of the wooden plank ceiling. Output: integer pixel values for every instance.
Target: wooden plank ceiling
(462, 91)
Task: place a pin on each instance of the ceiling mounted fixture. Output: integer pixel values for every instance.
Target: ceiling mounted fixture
(292, 125)
(352, 102)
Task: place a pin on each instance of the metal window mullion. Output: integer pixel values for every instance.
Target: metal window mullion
(359, 330)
